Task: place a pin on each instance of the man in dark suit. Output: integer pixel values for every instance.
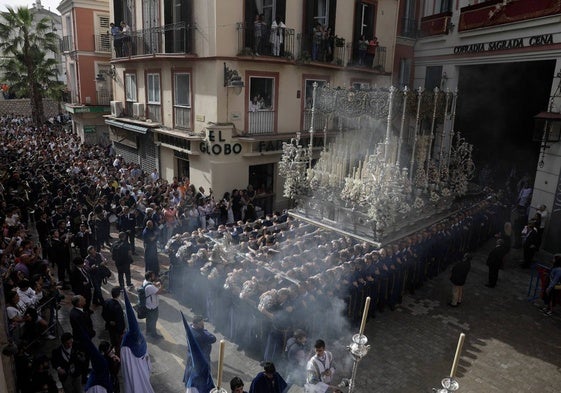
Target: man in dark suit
(531, 242)
(81, 282)
(67, 361)
(114, 319)
(495, 262)
(82, 328)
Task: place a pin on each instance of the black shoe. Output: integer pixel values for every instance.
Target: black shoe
(489, 286)
(452, 305)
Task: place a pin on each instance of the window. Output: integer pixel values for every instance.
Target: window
(365, 16)
(104, 86)
(319, 118)
(408, 26)
(124, 10)
(445, 5)
(182, 100)
(262, 93)
(130, 92)
(102, 34)
(177, 15)
(262, 104)
(322, 11)
(154, 100)
(151, 21)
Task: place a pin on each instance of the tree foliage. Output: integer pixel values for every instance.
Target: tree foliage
(25, 42)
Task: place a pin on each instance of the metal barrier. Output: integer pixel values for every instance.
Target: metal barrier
(51, 304)
(538, 277)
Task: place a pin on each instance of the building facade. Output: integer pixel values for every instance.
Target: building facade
(86, 46)
(515, 46)
(210, 89)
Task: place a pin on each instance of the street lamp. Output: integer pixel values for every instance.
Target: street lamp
(232, 79)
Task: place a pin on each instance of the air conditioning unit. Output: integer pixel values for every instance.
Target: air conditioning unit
(138, 110)
(116, 108)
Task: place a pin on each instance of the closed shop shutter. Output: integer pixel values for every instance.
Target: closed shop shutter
(147, 152)
(129, 154)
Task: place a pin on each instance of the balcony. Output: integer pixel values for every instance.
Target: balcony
(435, 24)
(103, 43)
(182, 116)
(67, 44)
(332, 51)
(104, 97)
(175, 38)
(499, 12)
(250, 44)
(155, 112)
(319, 120)
(261, 122)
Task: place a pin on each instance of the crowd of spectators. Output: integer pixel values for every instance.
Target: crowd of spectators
(59, 202)
(259, 280)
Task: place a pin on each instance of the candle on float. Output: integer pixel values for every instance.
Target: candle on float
(457, 356)
(364, 315)
(220, 364)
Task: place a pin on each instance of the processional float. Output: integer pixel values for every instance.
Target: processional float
(394, 161)
(390, 159)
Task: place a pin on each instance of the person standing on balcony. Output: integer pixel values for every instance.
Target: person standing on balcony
(317, 40)
(126, 39)
(277, 36)
(259, 28)
(362, 48)
(117, 39)
(329, 44)
(371, 51)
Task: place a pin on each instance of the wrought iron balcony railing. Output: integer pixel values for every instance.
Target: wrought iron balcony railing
(261, 122)
(379, 61)
(265, 42)
(174, 38)
(330, 50)
(103, 43)
(319, 120)
(182, 117)
(67, 44)
(155, 112)
(104, 97)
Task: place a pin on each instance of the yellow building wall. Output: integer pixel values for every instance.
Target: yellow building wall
(386, 29)
(167, 164)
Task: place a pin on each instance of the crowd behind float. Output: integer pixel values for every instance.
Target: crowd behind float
(61, 200)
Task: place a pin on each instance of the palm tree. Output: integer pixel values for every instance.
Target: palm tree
(25, 43)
